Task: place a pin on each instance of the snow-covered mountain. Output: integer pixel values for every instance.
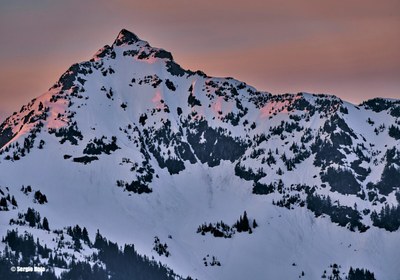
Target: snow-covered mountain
(207, 177)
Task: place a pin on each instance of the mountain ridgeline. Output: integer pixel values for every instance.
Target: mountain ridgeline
(130, 127)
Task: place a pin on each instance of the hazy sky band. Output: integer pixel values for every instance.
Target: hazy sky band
(347, 48)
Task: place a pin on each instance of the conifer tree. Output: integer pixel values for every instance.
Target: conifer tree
(77, 244)
(85, 235)
(3, 202)
(14, 202)
(255, 223)
(46, 224)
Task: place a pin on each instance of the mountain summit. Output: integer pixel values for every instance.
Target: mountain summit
(207, 177)
(126, 37)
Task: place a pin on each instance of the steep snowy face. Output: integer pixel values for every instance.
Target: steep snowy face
(131, 129)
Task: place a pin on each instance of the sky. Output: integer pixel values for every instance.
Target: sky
(346, 48)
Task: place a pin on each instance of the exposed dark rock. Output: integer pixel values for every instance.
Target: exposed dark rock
(5, 135)
(126, 37)
(163, 54)
(342, 181)
(216, 146)
(85, 159)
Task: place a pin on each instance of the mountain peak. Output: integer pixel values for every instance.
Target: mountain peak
(126, 37)
(178, 151)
